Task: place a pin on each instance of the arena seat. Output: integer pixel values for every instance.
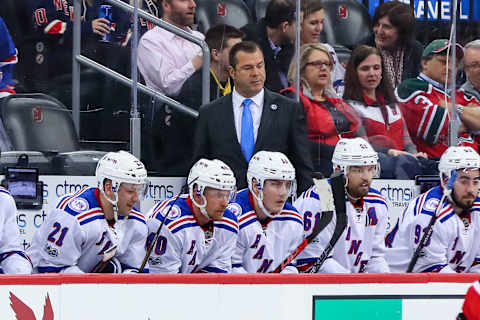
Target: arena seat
(38, 122)
(347, 23)
(231, 12)
(261, 8)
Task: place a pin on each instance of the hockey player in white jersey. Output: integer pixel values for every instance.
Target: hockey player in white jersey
(95, 224)
(361, 245)
(454, 244)
(270, 227)
(13, 259)
(199, 232)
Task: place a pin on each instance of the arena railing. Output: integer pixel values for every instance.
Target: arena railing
(135, 121)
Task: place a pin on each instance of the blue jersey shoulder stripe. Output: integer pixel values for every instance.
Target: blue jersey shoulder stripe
(91, 219)
(375, 201)
(226, 227)
(214, 270)
(428, 213)
(183, 226)
(247, 223)
(50, 269)
(4, 191)
(288, 218)
(448, 216)
(132, 217)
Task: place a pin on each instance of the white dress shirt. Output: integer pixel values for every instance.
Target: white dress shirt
(165, 59)
(256, 108)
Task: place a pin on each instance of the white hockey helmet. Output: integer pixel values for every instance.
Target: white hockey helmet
(457, 157)
(213, 174)
(120, 167)
(268, 165)
(354, 152)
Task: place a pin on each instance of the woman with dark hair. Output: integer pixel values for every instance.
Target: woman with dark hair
(328, 117)
(394, 31)
(371, 95)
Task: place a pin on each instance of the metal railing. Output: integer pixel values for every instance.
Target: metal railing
(78, 60)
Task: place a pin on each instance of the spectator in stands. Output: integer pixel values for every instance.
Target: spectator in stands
(329, 118)
(370, 93)
(425, 102)
(275, 34)
(472, 68)
(173, 134)
(165, 59)
(8, 57)
(394, 36)
(54, 29)
(250, 119)
(313, 15)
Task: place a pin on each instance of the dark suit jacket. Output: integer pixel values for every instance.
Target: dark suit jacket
(282, 128)
(257, 32)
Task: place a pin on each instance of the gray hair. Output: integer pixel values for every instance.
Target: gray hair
(475, 44)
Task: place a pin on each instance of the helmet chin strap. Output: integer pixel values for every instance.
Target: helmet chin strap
(259, 199)
(202, 206)
(114, 203)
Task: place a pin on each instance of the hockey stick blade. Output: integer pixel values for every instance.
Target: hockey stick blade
(157, 234)
(319, 226)
(338, 190)
(107, 255)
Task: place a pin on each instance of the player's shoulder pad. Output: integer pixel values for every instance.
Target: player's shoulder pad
(374, 196)
(228, 222)
(289, 213)
(79, 203)
(4, 191)
(311, 193)
(411, 87)
(170, 210)
(428, 202)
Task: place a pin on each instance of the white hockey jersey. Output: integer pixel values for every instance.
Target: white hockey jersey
(454, 243)
(262, 248)
(360, 248)
(9, 234)
(183, 246)
(76, 233)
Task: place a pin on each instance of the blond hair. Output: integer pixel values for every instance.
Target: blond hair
(305, 52)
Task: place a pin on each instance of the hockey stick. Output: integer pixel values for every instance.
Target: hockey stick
(338, 190)
(107, 255)
(325, 194)
(157, 234)
(429, 229)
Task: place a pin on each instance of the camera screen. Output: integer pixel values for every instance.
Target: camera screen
(22, 182)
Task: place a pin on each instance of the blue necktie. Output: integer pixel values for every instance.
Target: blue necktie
(247, 139)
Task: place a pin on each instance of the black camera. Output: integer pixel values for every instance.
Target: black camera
(24, 186)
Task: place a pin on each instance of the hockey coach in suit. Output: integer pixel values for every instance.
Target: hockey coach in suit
(252, 118)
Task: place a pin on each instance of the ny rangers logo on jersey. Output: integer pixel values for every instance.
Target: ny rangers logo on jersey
(235, 208)
(79, 204)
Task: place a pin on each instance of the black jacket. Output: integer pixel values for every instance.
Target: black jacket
(282, 128)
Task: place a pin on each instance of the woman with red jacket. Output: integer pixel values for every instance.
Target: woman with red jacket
(370, 93)
(328, 117)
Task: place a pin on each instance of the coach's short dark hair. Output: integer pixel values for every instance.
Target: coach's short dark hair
(279, 11)
(244, 46)
(217, 36)
(401, 16)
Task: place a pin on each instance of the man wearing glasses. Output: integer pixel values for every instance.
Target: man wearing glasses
(198, 232)
(425, 102)
(472, 69)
